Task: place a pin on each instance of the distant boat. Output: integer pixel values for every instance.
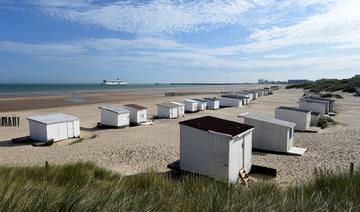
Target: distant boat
(114, 82)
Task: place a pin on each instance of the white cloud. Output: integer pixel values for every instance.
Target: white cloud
(152, 54)
(339, 25)
(52, 49)
(157, 17)
(168, 17)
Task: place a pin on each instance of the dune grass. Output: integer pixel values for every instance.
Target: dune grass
(86, 187)
(325, 122)
(329, 85)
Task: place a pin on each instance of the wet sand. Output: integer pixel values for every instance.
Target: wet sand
(8, 104)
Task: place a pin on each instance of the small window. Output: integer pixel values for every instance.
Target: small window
(290, 133)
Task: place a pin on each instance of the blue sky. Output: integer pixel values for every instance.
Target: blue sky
(178, 40)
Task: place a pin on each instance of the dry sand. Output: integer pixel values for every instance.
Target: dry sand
(137, 149)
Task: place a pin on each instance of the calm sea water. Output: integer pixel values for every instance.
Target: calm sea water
(56, 89)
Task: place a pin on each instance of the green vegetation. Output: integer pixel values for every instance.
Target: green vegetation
(325, 122)
(330, 95)
(86, 187)
(329, 85)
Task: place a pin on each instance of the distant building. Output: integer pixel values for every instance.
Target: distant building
(261, 81)
(298, 81)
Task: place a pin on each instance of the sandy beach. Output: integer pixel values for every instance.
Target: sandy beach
(138, 149)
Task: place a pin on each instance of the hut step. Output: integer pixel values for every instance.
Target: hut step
(244, 177)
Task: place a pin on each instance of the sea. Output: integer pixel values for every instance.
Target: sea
(11, 90)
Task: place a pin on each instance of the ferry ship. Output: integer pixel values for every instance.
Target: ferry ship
(114, 82)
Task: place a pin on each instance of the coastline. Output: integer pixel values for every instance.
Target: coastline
(35, 100)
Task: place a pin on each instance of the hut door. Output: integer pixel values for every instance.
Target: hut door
(219, 154)
(70, 129)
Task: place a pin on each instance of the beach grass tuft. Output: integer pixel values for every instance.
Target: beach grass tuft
(325, 122)
(86, 187)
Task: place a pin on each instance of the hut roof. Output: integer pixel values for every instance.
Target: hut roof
(168, 105)
(52, 118)
(212, 98)
(294, 109)
(200, 100)
(177, 103)
(114, 109)
(268, 120)
(137, 107)
(190, 100)
(314, 100)
(209, 123)
(321, 98)
(234, 96)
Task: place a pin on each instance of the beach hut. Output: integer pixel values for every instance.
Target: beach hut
(167, 110)
(54, 127)
(138, 113)
(114, 116)
(274, 87)
(314, 105)
(255, 94)
(272, 134)
(265, 92)
(202, 104)
(260, 93)
(215, 147)
(315, 116)
(231, 101)
(248, 96)
(213, 103)
(331, 102)
(181, 108)
(269, 90)
(191, 105)
(357, 91)
(302, 118)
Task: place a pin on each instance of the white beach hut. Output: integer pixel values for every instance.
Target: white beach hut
(260, 93)
(181, 108)
(115, 116)
(272, 134)
(255, 94)
(167, 110)
(274, 87)
(265, 92)
(302, 118)
(231, 100)
(269, 89)
(331, 102)
(212, 103)
(202, 104)
(246, 94)
(54, 127)
(314, 105)
(215, 147)
(315, 116)
(357, 90)
(138, 113)
(191, 105)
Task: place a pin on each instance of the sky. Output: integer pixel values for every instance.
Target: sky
(147, 41)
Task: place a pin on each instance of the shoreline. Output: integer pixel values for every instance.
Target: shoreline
(25, 102)
(30, 90)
